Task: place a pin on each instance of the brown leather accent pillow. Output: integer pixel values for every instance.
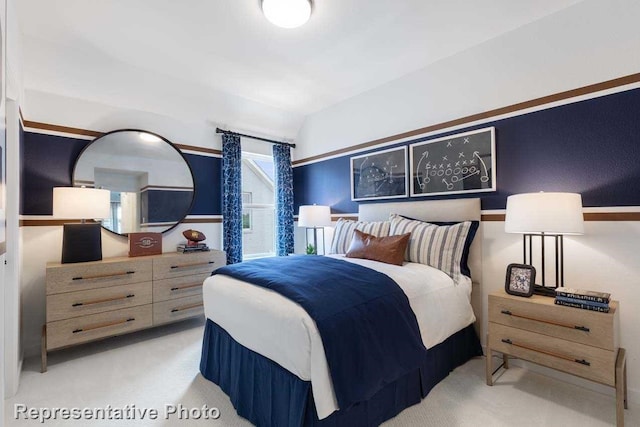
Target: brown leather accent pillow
(388, 249)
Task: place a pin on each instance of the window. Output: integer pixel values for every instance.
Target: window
(246, 211)
(258, 206)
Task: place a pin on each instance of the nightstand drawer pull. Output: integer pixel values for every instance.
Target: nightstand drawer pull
(548, 353)
(100, 301)
(564, 325)
(103, 325)
(197, 264)
(187, 307)
(179, 288)
(103, 276)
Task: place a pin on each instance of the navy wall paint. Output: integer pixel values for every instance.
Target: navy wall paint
(48, 160)
(590, 147)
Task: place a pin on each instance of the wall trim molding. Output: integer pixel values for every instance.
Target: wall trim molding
(51, 129)
(483, 116)
(51, 222)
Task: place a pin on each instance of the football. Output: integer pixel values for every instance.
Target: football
(194, 235)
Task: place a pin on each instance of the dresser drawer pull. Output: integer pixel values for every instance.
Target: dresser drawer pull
(100, 301)
(564, 325)
(103, 325)
(196, 264)
(179, 288)
(103, 276)
(548, 353)
(187, 307)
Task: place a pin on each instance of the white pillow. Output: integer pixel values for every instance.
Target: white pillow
(344, 233)
(439, 246)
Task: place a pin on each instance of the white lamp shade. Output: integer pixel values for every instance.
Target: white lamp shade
(287, 13)
(553, 213)
(81, 203)
(314, 216)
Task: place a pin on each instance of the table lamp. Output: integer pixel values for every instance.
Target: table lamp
(81, 242)
(545, 215)
(315, 217)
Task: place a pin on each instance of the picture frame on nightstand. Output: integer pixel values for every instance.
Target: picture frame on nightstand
(520, 280)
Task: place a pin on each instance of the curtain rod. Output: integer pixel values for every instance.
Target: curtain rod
(228, 132)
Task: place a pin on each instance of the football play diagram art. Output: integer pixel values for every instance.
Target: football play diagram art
(455, 164)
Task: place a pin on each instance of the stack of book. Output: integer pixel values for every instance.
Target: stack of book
(199, 247)
(586, 300)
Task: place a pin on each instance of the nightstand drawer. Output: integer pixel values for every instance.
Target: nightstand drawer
(83, 303)
(64, 333)
(572, 324)
(97, 274)
(177, 309)
(585, 361)
(180, 287)
(169, 267)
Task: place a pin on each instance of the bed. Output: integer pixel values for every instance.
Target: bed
(265, 351)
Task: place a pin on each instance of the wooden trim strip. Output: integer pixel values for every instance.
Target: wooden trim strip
(161, 187)
(201, 221)
(3, 248)
(585, 90)
(593, 216)
(588, 216)
(200, 149)
(58, 128)
(87, 132)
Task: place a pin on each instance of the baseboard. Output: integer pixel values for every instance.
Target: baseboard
(633, 395)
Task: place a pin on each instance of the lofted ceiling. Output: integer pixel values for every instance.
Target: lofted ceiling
(103, 50)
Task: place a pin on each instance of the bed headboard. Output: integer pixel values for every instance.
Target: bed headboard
(438, 210)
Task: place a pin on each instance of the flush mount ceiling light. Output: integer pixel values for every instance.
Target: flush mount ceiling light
(287, 13)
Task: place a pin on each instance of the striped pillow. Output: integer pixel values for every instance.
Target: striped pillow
(344, 233)
(444, 247)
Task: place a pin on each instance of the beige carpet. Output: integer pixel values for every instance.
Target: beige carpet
(154, 368)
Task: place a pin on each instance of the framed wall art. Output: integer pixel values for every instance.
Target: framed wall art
(462, 163)
(379, 175)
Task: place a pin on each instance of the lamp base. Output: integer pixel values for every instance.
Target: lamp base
(81, 242)
(544, 291)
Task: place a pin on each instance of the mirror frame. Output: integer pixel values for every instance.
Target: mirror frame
(171, 144)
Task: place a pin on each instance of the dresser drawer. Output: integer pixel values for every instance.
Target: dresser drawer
(83, 303)
(177, 309)
(97, 274)
(551, 352)
(170, 266)
(572, 324)
(180, 287)
(78, 330)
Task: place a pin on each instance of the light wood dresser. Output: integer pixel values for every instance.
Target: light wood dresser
(579, 342)
(94, 300)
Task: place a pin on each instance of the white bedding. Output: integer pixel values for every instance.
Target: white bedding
(279, 329)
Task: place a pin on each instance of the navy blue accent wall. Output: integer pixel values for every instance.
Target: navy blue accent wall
(163, 205)
(590, 147)
(48, 160)
(207, 174)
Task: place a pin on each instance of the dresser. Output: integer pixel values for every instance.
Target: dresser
(100, 299)
(575, 341)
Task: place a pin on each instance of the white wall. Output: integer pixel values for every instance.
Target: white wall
(12, 351)
(588, 43)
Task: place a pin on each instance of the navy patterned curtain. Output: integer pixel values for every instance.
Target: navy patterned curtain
(284, 199)
(232, 197)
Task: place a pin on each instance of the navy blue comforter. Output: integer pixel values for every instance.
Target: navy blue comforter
(369, 332)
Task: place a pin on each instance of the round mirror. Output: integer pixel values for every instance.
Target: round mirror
(150, 181)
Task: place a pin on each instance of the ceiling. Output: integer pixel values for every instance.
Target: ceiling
(226, 48)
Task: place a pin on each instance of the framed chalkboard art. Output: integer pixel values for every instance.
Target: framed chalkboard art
(379, 175)
(461, 163)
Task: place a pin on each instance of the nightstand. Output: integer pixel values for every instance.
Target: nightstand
(579, 342)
